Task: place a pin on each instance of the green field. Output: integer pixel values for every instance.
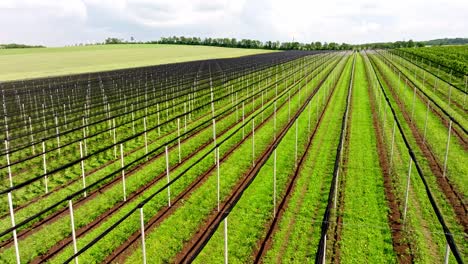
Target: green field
(32, 63)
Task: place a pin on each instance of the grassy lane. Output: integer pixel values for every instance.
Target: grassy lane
(365, 236)
(248, 220)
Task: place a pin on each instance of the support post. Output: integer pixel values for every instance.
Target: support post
(407, 191)
(447, 149)
(44, 164)
(225, 240)
(122, 164)
(83, 176)
(72, 221)
(143, 244)
(168, 178)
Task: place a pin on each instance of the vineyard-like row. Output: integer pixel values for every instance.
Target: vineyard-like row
(326, 157)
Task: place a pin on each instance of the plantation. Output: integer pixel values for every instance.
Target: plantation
(180, 154)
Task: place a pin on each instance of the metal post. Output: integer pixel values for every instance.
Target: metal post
(447, 254)
(225, 241)
(324, 259)
(425, 122)
(143, 245)
(274, 122)
(243, 120)
(178, 139)
(253, 142)
(44, 164)
(159, 126)
(57, 132)
(414, 101)
(115, 139)
(217, 172)
(214, 138)
(72, 221)
(168, 178)
(10, 205)
(82, 168)
(295, 150)
(274, 183)
(393, 144)
(447, 149)
(407, 191)
(146, 136)
(32, 136)
(122, 164)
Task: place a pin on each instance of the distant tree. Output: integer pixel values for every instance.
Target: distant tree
(410, 44)
(318, 45)
(132, 39)
(113, 41)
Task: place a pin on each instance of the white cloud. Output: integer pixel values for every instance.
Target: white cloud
(55, 22)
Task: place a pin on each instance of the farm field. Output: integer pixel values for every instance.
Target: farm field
(252, 157)
(43, 62)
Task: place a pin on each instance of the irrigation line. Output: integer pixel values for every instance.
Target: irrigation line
(24, 222)
(448, 234)
(320, 255)
(173, 180)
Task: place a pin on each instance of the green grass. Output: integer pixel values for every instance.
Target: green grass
(33, 63)
(365, 206)
(423, 230)
(248, 220)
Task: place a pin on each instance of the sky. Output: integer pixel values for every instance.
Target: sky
(67, 22)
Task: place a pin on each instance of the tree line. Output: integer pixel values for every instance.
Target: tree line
(243, 43)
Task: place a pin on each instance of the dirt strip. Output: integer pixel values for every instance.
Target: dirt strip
(400, 244)
(453, 197)
(120, 254)
(193, 247)
(62, 244)
(272, 226)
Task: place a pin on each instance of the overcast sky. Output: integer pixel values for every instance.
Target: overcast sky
(63, 22)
